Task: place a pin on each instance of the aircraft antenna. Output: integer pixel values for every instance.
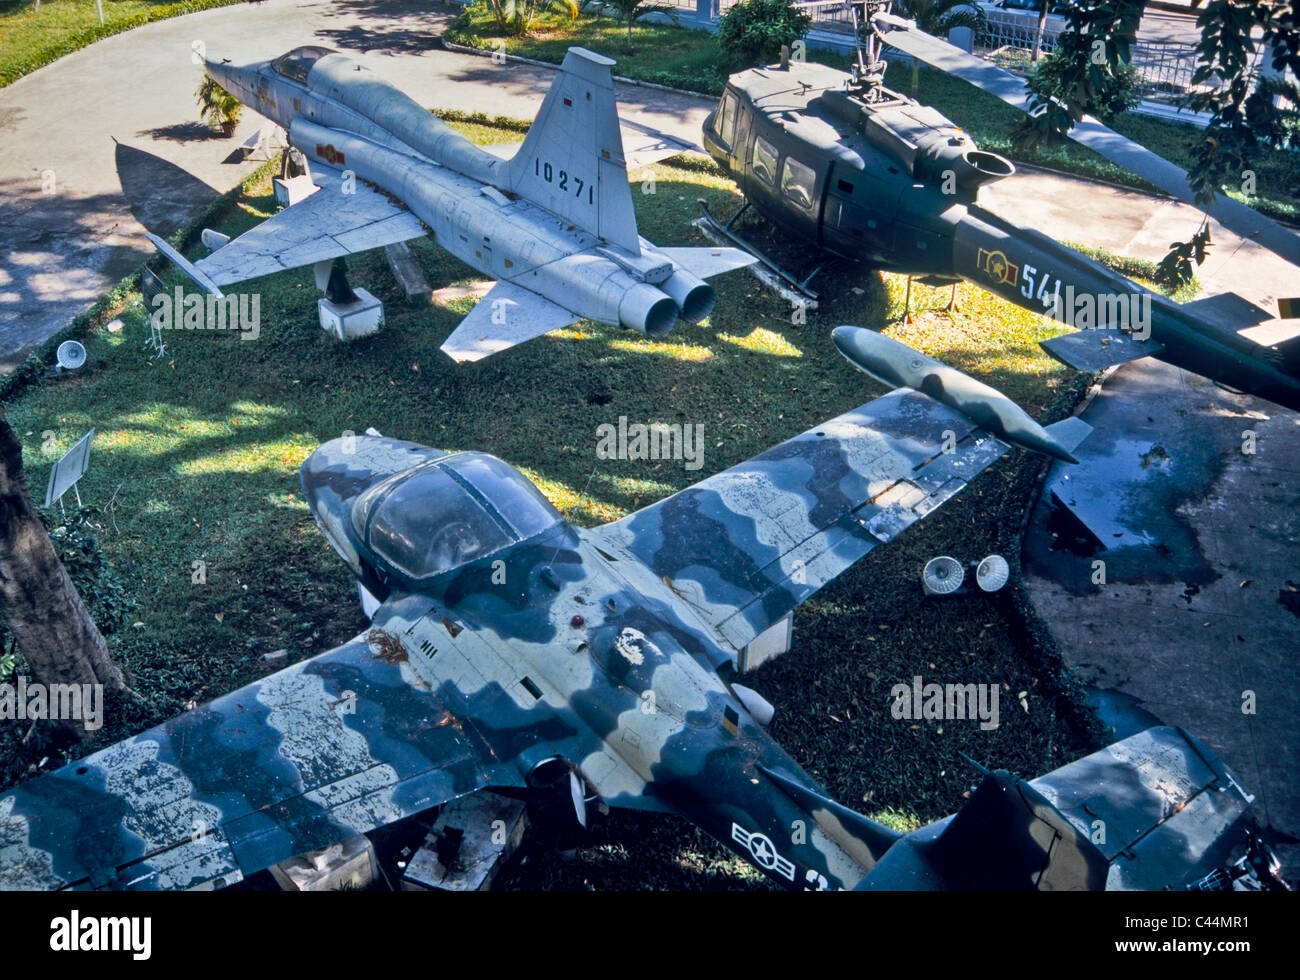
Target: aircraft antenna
(582, 496)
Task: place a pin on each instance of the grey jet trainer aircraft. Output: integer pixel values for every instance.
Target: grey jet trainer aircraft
(553, 225)
(514, 651)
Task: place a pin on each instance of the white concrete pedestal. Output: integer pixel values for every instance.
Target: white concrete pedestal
(348, 864)
(290, 192)
(348, 321)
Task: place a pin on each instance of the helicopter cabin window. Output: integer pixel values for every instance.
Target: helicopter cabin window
(798, 183)
(765, 157)
(726, 121)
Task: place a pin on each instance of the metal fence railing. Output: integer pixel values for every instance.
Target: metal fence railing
(1165, 68)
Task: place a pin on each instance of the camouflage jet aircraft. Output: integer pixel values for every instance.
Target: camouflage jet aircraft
(553, 225)
(516, 651)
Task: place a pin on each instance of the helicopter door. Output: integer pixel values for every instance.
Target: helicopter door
(724, 123)
(849, 224)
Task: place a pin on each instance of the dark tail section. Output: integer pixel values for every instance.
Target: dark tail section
(1286, 356)
(862, 839)
(1007, 837)
(1117, 320)
(1157, 809)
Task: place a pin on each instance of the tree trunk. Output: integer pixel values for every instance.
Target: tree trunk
(38, 601)
(1038, 35)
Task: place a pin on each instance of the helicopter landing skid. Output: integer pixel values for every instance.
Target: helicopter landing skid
(768, 272)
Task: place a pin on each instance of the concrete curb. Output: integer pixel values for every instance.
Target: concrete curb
(623, 79)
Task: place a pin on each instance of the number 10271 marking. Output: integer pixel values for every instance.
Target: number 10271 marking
(564, 180)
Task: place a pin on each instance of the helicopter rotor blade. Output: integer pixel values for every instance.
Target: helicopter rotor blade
(1151, 167)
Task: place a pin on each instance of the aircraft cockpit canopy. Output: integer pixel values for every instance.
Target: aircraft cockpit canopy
(449, 512)
(297, 64)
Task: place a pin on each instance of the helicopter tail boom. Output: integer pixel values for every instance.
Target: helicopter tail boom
(1117, 320)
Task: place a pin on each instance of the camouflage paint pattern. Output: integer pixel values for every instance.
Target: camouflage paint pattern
(608, 649)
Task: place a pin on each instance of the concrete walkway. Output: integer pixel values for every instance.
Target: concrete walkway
(112, 130)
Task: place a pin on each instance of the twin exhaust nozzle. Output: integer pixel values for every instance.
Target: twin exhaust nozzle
(655, 310)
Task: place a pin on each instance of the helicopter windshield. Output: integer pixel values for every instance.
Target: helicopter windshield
(450, 512)
(297, 64)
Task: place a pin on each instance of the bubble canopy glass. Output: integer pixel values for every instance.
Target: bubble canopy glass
(297, 64)
(448, 512)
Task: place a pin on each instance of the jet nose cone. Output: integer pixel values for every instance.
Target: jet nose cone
(871, 353)
(216, 66)
(235, 79)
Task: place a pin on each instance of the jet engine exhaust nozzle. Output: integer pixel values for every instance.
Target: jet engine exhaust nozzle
(648, 310)
(693, 296)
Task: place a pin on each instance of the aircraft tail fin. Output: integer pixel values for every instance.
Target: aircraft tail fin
(1229, 313)
(1069, 432)
(1157, 809)
(572, 161)
(1097, 350)
(1226, 312)
(862, 839)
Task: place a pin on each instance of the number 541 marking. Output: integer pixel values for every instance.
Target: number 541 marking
(1027, 277)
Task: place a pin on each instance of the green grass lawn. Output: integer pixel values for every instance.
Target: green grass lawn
(692, 59)
(32, 37)
(199, 450)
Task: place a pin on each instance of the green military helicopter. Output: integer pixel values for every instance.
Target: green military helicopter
(839, 161)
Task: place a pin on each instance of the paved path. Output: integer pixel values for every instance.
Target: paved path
(1197, 622)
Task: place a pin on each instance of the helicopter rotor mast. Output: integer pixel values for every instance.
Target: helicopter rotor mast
(869, 67)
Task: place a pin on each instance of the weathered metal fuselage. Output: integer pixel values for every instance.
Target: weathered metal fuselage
(894, 184)
(590, 657)
(340, 114)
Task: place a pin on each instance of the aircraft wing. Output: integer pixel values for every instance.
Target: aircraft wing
(323, 226)
(331, 747)
(506, 316)
(706, 261)
(1151, 167)
(642, 145)
(747, 545)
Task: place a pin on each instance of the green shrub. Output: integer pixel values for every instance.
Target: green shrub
(751, 33)
(1119, 88)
